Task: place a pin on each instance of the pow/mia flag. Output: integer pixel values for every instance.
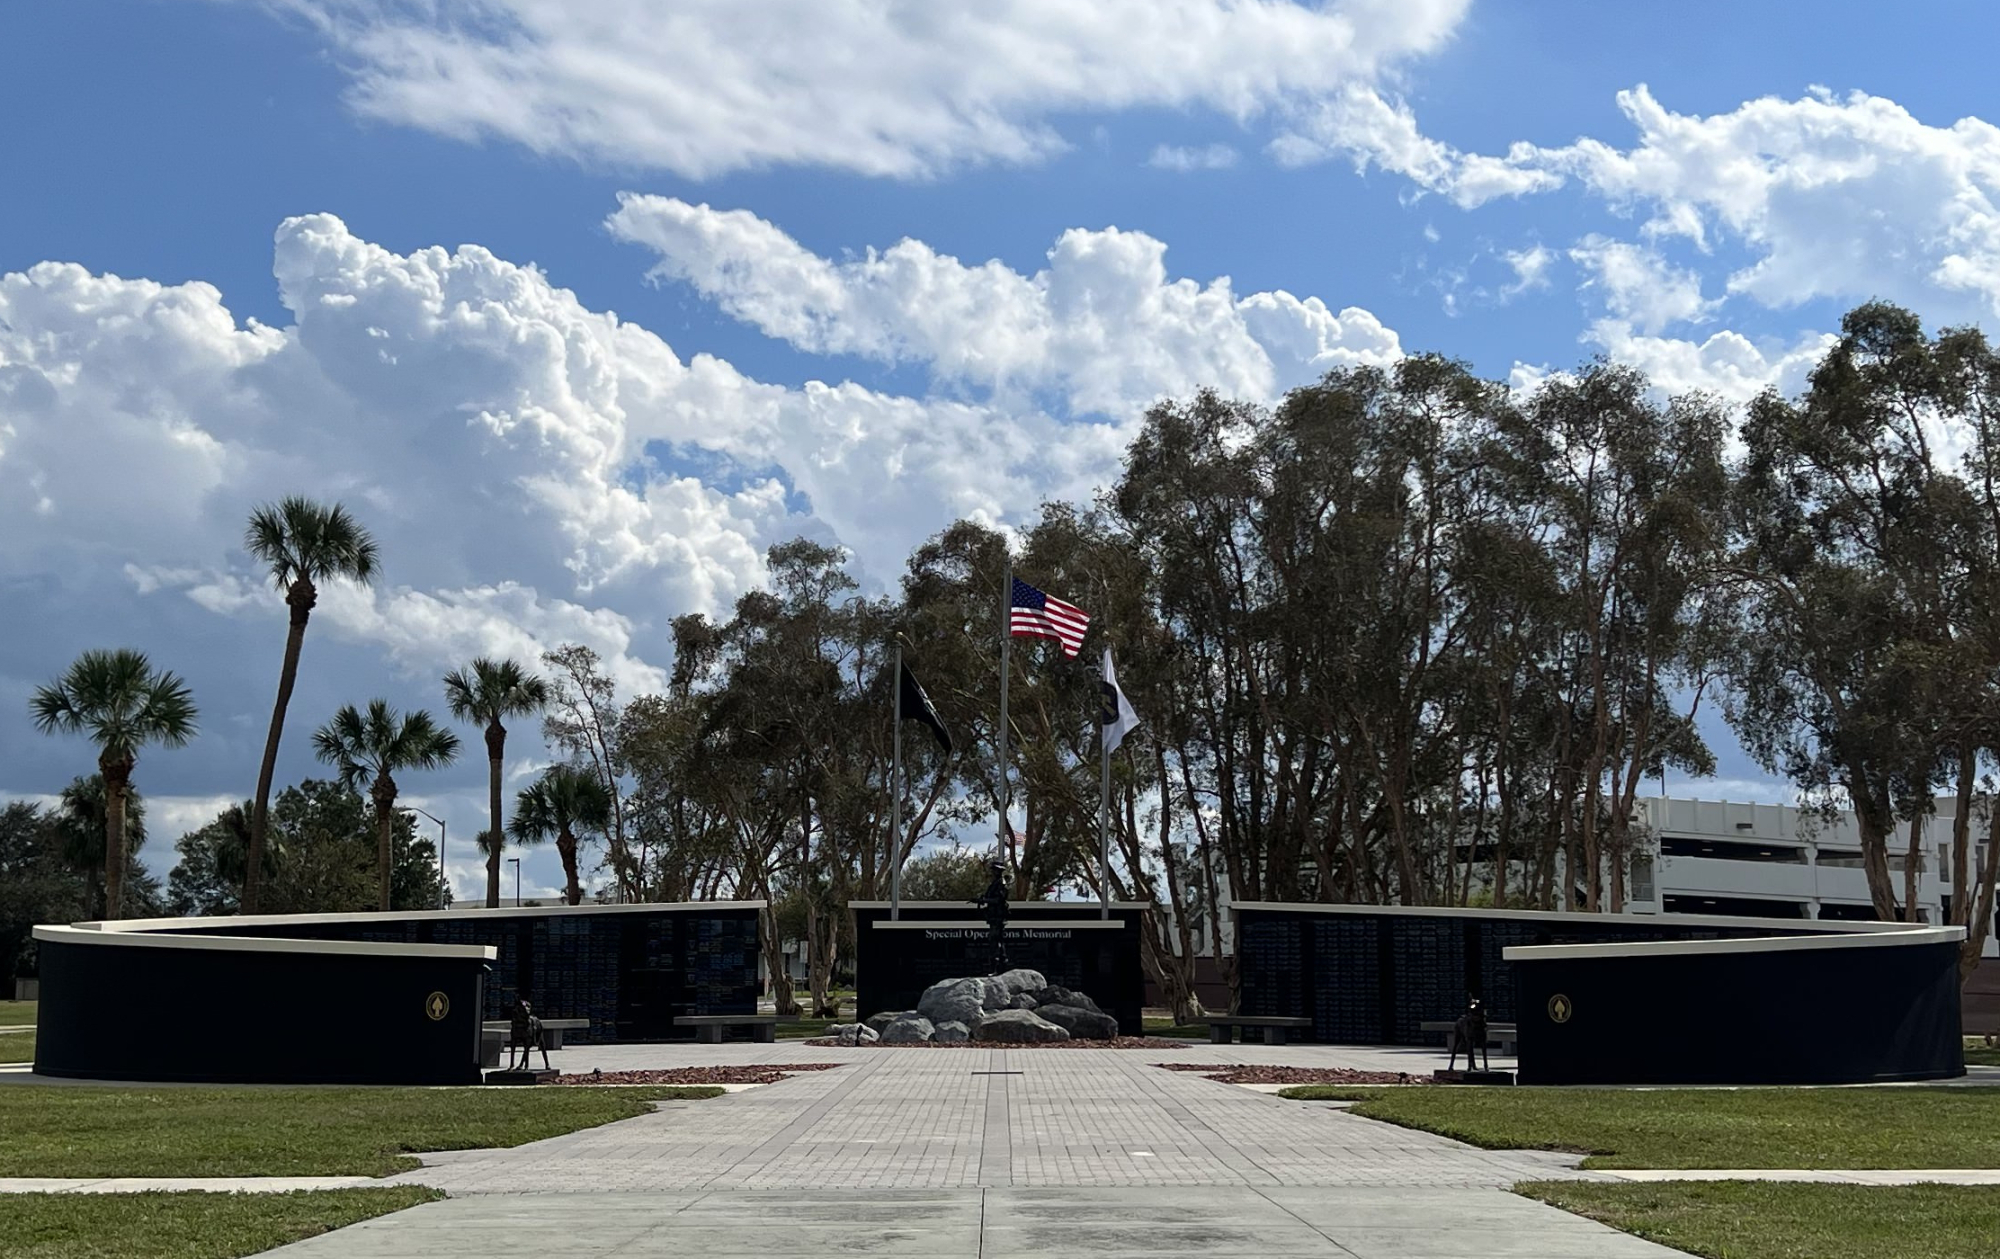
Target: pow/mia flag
(913, 705)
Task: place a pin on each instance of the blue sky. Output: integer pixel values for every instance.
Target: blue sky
(1699, 188)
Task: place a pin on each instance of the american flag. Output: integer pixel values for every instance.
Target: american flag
(1035, 615)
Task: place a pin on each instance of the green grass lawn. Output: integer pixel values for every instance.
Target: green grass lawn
(184, 1225)
(17, 1047)
(17, 1013)
(1861, 1127)
(1177, 1031)
(805, 1028)
(77, 1131)
(1749, 1220)
(1980, 1054)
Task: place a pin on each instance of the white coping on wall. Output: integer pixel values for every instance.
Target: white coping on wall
(1078, 906)
(964, 924)
(262, 944)
(1748, 944)
(137, 925)
(1823, 926)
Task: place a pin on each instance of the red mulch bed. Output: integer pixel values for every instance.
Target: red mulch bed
(763, 1073)
(1116, 1042)
(1247, 1074)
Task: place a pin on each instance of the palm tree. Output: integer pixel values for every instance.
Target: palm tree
(303, 544)
(561, 802)
(482, 695)
(370, 750)
(122, 704)
(80, 811)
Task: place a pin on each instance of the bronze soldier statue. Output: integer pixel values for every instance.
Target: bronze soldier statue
(525, 1034)
(994, 902)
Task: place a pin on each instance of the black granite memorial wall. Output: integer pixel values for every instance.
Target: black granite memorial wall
(121, 1005)
(1370, 974)
(1068, 942)
(1817, 1010)
(629, 969)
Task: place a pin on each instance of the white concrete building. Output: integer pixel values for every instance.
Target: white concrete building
(1777, 861)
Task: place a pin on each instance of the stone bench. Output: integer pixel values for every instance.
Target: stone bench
(708, 1028)
(1501, 1034)
(1277, 1029)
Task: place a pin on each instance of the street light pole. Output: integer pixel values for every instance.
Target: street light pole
(516, 863)
(443, 886)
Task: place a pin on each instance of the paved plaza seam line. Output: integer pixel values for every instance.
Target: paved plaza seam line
(776, 1144)
(996, 1145)
(1303, 1220)
(1149, 1078)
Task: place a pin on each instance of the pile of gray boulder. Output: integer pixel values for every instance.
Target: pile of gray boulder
(1016, 1007)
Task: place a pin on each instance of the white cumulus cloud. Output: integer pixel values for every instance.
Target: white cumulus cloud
(1103, 325)
(703, 87)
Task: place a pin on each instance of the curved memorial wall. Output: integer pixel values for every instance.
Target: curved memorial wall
(132, 1005)
(1826, 1009)
(629, 969)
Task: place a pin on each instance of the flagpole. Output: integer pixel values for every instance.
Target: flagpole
(1005, 850)
(896, 791)
(1104, 817)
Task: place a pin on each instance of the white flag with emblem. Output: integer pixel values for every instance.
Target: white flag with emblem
(1116, 715)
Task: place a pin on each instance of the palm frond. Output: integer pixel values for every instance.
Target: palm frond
(492, 689)
(297, 537)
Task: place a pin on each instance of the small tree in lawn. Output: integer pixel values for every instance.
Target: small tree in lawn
(370, 749)
(122, 704)
(303, 543)
(482, 695)
(561, 802)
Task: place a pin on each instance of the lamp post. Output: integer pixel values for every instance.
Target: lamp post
(516, 863)
(442, 885)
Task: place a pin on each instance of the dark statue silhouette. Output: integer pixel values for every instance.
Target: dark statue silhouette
(994, 901)
(1469, 1034)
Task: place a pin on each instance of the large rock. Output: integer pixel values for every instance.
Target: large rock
(1024, 1001)
(853, 1033)
(886, 1017)
(1078, 1022)
(907, 1029)
(1018, 1027)
(1059, 995)
(1021, 979)
(951, 1033)
(954, 1001)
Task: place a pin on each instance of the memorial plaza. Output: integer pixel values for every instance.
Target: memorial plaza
(980, 1151)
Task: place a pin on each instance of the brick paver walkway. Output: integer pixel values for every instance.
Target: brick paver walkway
(945, 1119)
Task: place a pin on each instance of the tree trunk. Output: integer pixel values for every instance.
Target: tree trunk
(566, 849)
(384, 794)
(496, 748)
(300, 598)
(782, 1002)
(1913, 863)
(1982, 916)
(117, 773)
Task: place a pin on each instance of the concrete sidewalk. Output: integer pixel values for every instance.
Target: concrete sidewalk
(1211, 1221)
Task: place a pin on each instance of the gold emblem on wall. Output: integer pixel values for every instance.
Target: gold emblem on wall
(1559, 1008)
(437, 1005)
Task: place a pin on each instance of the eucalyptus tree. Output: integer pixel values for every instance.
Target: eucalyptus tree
(582, 724)
(556, 806)
(1843, 511)
(369, 749)
(485, 695)
(121, 703)
(303, 544)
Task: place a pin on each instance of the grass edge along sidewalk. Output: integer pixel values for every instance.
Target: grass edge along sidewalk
(186, 1225)
(1895, 1127)
(79, 1131)
(1770, 1220)
(17, 1046)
